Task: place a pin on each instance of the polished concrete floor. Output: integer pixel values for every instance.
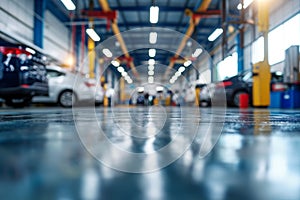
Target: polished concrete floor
(149, 153)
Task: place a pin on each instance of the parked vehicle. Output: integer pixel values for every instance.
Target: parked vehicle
(67, 88)
(22, 75)
(241, 84)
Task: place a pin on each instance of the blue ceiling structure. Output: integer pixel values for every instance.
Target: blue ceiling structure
(135, 14)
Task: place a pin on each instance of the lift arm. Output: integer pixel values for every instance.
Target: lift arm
(105, 7)
(261, 70)
(193, 23)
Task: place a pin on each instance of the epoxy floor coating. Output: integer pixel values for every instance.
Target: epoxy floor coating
(54, 153)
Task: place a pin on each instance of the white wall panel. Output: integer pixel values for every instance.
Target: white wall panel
(56, 37)
(281, 10)
(247, 57)
(16, 18)
(278, 67)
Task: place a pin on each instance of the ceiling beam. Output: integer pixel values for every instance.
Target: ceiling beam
(203, 7)
(105, 7)
(146, 8)
(165, 24)
(103, 23)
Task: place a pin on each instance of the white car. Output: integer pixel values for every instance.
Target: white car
(67, 88)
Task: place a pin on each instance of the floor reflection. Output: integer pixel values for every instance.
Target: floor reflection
(254, 158)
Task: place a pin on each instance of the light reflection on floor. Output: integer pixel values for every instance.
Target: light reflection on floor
(256, 157)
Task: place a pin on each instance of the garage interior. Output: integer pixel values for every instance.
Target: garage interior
(134, 99)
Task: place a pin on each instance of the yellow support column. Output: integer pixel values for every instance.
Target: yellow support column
(91, 46)
(261, 84)
(168, 100)
(104, 86)
(261, 70)
(197, 99)
(105, 100)
(122, 90)
(92, 57)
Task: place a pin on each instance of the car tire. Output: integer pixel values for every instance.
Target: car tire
(18, 103)
(67, 99)
(236, 98)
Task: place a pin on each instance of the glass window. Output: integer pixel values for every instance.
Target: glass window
(258, 50)
(228, 67)
(282, 37)
(248, 77)
(205, 77)
(53, 73)
(292, 31)
(276, 45)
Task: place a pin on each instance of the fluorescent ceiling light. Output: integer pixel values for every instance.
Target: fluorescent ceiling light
(177, 74)
(154, 12)
(151, 79)
(187, 63)
(30, 50)
(107, 53)
(150, 73)
(151, 62)
(152, 52)
(151, 67)
(124, 74)
(115, 63)
(153, 37)
(69, 4)
(197, 53)
(181, 69)
(127, 78)
(174, 78)
(121, 69)
(215, 34)
(246, 4)
(129, 81)
(93, 35)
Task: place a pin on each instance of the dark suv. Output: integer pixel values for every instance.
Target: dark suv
(241, 84)
(22, 75)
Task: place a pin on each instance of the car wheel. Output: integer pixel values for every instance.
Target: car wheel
(18, 103)
(236, 98)
(67, 99)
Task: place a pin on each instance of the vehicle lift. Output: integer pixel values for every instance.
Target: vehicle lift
(261, 70)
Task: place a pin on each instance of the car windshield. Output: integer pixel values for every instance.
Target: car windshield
(243, 73)
(247, 77)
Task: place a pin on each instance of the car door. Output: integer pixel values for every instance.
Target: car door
(55, 82)
(56, 79)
